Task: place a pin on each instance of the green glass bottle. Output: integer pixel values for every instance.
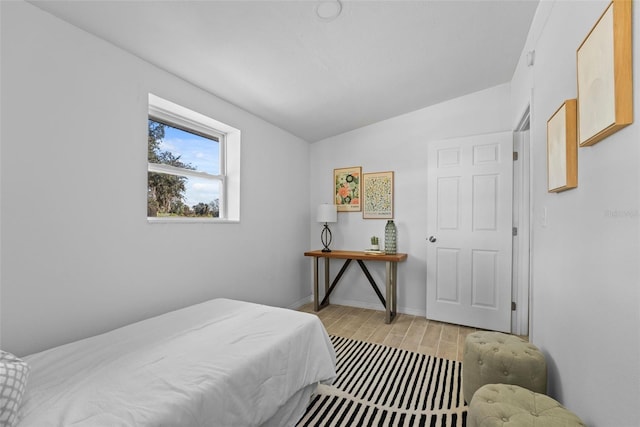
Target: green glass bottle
(390, 241)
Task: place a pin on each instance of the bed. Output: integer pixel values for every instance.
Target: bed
(219, 363)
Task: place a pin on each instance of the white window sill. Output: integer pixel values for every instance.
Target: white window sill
(178, 220)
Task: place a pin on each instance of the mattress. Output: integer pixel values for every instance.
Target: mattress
(219, 363)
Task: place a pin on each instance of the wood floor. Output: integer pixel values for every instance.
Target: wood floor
(413, 333)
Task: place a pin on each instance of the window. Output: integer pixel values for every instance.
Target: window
(193, 165)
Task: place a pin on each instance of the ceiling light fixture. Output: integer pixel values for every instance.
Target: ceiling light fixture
(328, 10)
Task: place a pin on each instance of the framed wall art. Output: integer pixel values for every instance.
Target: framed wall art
(562, 148)
(377, 189)
(347, 188)
(604, 74)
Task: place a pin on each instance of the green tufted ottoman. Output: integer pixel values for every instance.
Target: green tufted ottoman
(497, 358)
(495, 405)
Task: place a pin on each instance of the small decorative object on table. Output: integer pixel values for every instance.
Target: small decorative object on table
(390, 244)
(374, 243)
(375, 247)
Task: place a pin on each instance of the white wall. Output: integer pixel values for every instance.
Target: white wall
(78, 256)
(586, 277)
(399, 145)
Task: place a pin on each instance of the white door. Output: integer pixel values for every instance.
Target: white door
(469, 223)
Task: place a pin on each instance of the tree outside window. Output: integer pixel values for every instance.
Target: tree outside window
(184, 172)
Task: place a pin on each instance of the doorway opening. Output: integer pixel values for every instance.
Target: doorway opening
(521, 279)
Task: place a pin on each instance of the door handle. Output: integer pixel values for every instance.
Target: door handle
(432, 239)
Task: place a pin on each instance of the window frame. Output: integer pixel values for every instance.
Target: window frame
(174, 115)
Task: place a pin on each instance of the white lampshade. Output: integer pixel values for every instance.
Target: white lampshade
(327, 213)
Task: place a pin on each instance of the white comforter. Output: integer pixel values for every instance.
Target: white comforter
(220, 363)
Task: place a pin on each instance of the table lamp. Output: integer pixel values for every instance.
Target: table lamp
(326, 213)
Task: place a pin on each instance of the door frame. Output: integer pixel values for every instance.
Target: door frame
(522, 208)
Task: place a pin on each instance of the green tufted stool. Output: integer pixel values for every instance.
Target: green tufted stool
(497, 358)
(495, 405)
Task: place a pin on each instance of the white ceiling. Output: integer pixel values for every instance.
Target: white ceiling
(312, 77)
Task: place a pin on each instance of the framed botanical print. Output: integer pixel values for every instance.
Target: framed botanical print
(347, 188)
(377, 189)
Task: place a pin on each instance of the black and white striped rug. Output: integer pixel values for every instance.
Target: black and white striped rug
(385, 386)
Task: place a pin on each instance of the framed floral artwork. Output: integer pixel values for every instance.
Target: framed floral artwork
(378, 195)
(347, 188)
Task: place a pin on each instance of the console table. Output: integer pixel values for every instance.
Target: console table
(360, 257)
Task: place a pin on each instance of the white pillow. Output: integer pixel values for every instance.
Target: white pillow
(13, 380)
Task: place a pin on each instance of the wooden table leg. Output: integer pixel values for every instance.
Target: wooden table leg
(394, 288)
(316, 300)
(326, 280)
(391, 290)
(389, 293)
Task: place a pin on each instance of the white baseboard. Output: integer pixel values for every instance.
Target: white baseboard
(296, 305)
(372, 305)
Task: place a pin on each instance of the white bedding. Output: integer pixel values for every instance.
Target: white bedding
(220, 363)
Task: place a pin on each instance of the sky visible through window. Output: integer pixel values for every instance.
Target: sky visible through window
(199, 152)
